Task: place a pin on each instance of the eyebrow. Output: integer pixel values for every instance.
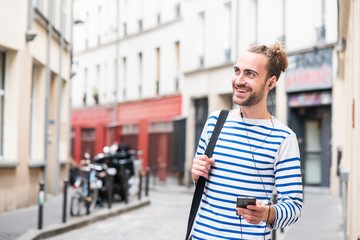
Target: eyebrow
(246, 70)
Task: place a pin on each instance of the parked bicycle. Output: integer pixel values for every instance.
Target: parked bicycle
(86, 187)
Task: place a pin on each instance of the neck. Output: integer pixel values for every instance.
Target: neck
(254, 112)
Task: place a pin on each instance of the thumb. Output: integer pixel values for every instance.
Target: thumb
(212, 160)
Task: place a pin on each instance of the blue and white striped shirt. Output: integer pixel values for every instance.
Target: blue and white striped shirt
(235, 173)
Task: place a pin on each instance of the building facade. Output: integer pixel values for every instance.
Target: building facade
(303, 96)
(127, 62)
(35, 59)
(346, 115)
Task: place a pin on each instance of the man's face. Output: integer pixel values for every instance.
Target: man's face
(249, 80)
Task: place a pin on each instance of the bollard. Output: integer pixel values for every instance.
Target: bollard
(64, 200)
(41, 204)
(140, 184)
(88, 198)
(109, 186)
(147, 181)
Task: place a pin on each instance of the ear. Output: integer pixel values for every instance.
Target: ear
(272, 82)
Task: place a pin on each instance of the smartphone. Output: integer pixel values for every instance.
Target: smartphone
(244, 201)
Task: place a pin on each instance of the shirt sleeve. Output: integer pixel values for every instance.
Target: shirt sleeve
(288, 183)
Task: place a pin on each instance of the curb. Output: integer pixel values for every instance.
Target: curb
(81, 221)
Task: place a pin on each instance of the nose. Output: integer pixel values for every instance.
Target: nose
(239, 79)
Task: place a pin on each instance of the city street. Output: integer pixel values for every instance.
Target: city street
(165, 218)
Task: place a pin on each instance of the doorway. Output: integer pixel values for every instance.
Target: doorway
(312, 152)
(312, 126)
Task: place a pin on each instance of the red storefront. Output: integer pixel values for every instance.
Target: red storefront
(145, 125)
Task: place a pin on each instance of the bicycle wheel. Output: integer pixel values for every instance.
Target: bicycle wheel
(75, 205)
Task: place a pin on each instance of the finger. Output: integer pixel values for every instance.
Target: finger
(198, 174)
(202, 163)
(253, 219)
(205, 158)
(252, 214)
(201, 168)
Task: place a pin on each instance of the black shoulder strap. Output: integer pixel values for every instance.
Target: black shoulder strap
(200, 185)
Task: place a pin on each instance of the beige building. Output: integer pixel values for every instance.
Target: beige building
(346, 124)
(35, 56)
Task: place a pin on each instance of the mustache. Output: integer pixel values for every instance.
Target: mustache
(241, 86)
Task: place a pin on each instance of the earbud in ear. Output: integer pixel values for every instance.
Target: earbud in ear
(270, 85)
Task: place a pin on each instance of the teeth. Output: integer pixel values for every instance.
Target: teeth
(241, 90)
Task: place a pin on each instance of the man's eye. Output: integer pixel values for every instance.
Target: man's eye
(237, 71)
(250, 74)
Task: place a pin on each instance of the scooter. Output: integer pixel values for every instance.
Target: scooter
(123, 167)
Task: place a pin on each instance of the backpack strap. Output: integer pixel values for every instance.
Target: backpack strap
(200, 185)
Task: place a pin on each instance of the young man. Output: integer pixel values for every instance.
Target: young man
(254, 154)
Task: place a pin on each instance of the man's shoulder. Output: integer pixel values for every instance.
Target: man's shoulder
(283, 127)
(215, 114)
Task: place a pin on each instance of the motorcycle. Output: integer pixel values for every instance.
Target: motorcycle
(123, 166)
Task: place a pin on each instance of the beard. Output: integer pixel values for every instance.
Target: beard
(253, 99)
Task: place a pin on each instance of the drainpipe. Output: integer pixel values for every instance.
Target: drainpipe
(117, 42)
(69, 86)
(237, 30)
(47, 89)
(58, 115)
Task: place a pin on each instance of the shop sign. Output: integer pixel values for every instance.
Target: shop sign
(309, 71)
(310, 99)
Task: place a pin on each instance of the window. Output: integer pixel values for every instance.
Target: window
(201, 39)
(177, 66)
(158, 18)
(157, 71)
(99, 25)
(88, 141)
(85, 85)
(140, 74)
(2, 98)
(227, 35)
(125, 29)
(129, 135)
(177, 10)
(87, 30)
(124, 77)
(96, 87)
(116, 77)
(140, 22)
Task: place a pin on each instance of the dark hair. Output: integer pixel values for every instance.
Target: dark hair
(277, 59)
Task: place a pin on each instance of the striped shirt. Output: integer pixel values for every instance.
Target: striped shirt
(246, 149)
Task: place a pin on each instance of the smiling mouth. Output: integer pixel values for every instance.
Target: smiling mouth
(242, 90)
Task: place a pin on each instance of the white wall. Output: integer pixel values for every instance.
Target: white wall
(152, 36)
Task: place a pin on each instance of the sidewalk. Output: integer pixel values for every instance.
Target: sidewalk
(22, 223)
(321, 219)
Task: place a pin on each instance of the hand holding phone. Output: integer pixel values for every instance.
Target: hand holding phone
(244, 201)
